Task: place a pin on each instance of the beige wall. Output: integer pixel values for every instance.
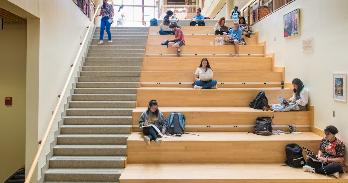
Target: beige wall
(12, 79)
(326, 23)
(30, 6)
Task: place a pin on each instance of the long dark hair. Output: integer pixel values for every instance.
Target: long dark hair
(152, 103)
(220, 21)
(208, 65)
(300, 87)
(104, 4)
(242, 20)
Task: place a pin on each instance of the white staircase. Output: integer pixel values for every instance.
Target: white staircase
(91, 145)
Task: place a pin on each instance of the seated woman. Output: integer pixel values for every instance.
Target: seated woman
(204, 76)
(330, 158)
(178, 41)
(220, 27)
(198, 19)
(299, 100)
(164, 26)
(235, 37)
(244, 26)
(152, 122)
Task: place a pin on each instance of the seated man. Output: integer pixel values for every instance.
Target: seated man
(178, 41)
(235, 37)
(330, 158)
(198, 19)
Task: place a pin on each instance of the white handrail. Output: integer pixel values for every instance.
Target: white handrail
(60, 102)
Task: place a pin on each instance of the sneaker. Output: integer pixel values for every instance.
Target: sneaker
(197, 87)
(147, 140)
(307, 168)
(178, 52)
(336, 175)
(158, 141)
(101, 42)
(110, 41)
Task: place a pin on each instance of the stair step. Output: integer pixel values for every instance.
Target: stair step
(99, 111)
(105, 52)
(102, 104)
(117, 54)
(90, 150)
(105, 91)
(109, 79)
(84, 174)
(108, 85)
(111, 73)
(95, 41)
(77, 182)
(87, 162)
(115, 47)
(102, 63)
(104, 58)
(92, 139)
(97, 120)
(113, 68)
(95, 129)
(103, 97)
(220, 173)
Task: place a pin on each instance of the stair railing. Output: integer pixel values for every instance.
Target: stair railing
(46, 145)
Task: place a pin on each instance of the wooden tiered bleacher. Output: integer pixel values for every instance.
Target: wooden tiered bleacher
(218, 147)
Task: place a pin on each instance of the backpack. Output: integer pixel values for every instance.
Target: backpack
(263, 126)
(260, 101)
(153, 22)
(175, 124)
(294, 156)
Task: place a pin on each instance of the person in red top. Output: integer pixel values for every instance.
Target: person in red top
(179, 39)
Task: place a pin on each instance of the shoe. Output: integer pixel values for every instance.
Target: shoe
(110, 41)
(147, 140)
(307, 168)
(197, 87)
(336, 175)
(101, 42)
(158, 141)
(178, 52)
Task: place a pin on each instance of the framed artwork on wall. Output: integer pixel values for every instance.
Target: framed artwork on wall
(340, 87)
(292, 23)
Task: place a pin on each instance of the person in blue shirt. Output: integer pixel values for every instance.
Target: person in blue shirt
(235, 37)
(198, 19)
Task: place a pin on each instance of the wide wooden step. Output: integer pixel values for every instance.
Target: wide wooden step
(221, 173)
(195, 40)
(222, 97)
(229, 119)
(225, 50)
(217, 63)
(217, 147)
(189, 30)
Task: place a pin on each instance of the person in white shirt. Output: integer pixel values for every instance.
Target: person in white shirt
(298, 101)
(204, 76)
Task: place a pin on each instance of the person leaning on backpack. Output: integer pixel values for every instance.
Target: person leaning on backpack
(331, 155)
(107, 13)
(204, 76)
(152, 122)
(220, 28)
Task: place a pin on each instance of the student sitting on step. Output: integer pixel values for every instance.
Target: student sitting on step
(178, 41)
(164, 26)
(204, 76)
(220, 27)
(330, 158)
(299, 100)
(246, 29)
(152, 122)
(235, 37)
(198, 19)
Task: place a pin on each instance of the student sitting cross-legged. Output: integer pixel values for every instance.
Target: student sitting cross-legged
(198, 19)
(152, 122)
(299, 100)
(179, 39)
(330, 158)
(204, 76)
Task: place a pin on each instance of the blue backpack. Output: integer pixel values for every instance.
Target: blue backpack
(153, 22)
(175, 124)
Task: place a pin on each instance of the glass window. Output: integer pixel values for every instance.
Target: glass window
(149, 2)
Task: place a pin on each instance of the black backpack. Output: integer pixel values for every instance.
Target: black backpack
(263, 126)
(260, 101)
(176, 124)
(294, 156)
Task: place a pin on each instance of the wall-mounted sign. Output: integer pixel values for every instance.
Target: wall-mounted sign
(307, 45)
(8, 101)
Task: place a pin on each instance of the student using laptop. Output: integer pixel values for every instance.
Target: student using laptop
(330, 158)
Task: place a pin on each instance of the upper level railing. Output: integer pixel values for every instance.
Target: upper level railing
(40, 159)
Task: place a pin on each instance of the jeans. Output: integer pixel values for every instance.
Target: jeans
(327, 169)
(104, 23)
(206, 84)
(150, 132)
(199, 23)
